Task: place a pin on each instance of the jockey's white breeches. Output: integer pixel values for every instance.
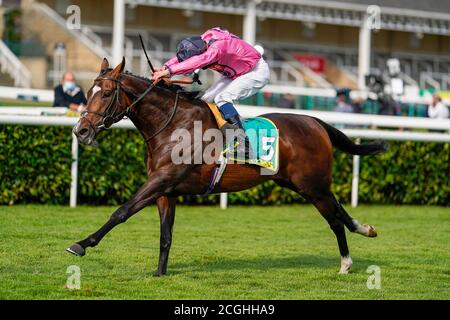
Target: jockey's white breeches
(227, 90)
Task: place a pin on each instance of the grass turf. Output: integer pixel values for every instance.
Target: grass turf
(284, 252)
(23, 103)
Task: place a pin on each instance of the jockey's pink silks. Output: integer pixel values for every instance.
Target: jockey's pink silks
(226, 53)
(244, 70)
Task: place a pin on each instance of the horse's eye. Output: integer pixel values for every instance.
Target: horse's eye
(107, 93)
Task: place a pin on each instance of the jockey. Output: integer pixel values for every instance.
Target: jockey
(244, 72)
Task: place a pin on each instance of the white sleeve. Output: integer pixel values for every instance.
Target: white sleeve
(431, 111)
(444, 111)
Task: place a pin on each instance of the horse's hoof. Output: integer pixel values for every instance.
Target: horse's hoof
(346, 265)
(159, 274)
(372, 233)
(77, 250)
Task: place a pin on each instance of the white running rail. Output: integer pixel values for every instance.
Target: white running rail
(14, 93)
(34, 111)
(384, 121)
(11, 65)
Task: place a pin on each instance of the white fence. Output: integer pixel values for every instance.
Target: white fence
(38, 111)
(14, 93)
(372, 121)
(48, 95)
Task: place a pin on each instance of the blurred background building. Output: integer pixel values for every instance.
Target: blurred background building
(309, 44)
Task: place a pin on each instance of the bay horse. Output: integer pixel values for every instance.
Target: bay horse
(305, 149)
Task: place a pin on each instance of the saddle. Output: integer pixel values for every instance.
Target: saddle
(264, 140)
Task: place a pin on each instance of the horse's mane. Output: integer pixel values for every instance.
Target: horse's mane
(174, 88)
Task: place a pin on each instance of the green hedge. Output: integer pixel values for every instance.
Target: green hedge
(35, 168)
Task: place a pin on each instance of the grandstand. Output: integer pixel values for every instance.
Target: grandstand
(350, 101)
(309, 44)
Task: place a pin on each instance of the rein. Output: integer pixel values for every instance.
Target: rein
(175, 107)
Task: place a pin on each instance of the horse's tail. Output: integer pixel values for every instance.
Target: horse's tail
(342, 142)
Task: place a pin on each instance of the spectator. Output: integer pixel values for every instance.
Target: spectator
(68, 94)
(388, 106)
(268, 99)
(286, 101)
(357, 104)
(437, 110)
(341, 103)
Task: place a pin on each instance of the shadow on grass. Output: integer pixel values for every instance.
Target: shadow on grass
(305, 261)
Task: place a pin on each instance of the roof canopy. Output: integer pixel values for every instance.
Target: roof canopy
(397, 15)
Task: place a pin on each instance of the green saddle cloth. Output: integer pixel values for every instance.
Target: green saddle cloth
(263, 137)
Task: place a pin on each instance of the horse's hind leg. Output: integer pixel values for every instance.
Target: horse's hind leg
(352, 224)
(337, 218)
(325, 202)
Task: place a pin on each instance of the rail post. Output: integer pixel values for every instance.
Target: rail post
(223, 201)
(74, 172)
(355, 178)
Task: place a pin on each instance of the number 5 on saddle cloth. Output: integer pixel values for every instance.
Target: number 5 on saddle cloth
(263, 137)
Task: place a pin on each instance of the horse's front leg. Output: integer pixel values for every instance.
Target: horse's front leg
(166, 207)
(154, 188)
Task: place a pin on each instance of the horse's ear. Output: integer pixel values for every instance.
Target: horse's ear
(119, 69)
(105, 65)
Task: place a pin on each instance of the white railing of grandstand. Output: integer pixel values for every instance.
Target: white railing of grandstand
(438, 80)
(10, 64)
(91, 35)
(427, 80)
(372, 121)
(408, 80)
(352, 72)
(331, 93)
(151, 42)
(286, 71)
(314, 76)
(48, 95)
(85, 36)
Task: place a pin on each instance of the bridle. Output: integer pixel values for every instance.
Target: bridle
(111, 116)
